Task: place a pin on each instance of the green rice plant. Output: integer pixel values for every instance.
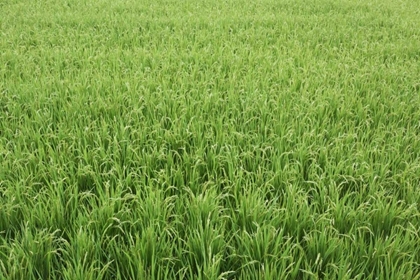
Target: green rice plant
(209, 139)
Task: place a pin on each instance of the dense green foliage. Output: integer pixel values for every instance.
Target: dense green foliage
(267, 139)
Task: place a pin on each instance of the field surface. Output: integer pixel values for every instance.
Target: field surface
(210, 139)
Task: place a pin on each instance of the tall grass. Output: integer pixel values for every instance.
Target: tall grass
(209, 139)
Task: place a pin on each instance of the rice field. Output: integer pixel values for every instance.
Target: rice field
(266, 139)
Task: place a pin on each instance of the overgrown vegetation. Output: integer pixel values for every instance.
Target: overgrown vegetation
(268, 139)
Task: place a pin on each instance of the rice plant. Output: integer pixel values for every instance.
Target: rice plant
(268, 139)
